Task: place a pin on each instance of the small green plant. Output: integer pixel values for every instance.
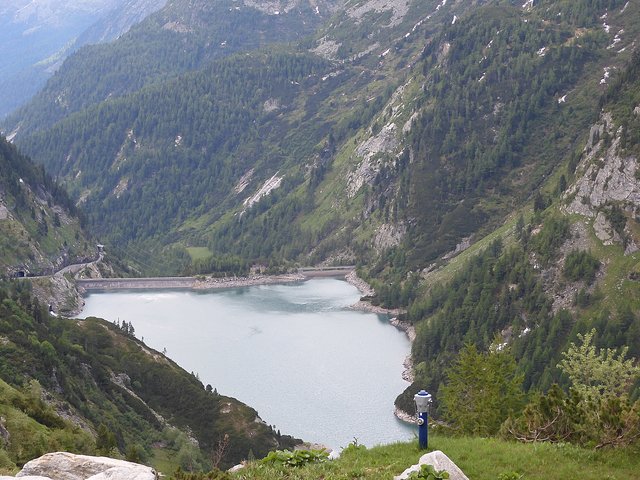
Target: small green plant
(428, 472)
(297, 458)
(510, 476)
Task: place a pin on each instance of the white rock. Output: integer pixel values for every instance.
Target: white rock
(67, 466)
(440, 462)
(28, 477)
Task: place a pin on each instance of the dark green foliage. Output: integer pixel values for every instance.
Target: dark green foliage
(480, 391)
(489, 295)
(105, 440)
(617, 219)
(488, 94)
(551, 236)
(560, 417)
(551, 417)
(581, 265)
(296, 458)
(182, 146)
(428, 472)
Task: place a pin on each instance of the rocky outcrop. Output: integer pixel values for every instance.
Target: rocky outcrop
(59, 293)
(398, 9)
(370, 151)
(605, 178)
(604, 175)
(389, 235)
(439, 461)
(67, 466)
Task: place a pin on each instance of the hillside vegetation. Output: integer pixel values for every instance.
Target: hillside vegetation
(91, 387)
(39, 223)
(480, 459)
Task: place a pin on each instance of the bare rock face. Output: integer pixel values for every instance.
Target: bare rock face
(67, 466)
(606, 177)
(440, 462)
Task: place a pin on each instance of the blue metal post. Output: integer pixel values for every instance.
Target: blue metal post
(423, 401)
(423, 430)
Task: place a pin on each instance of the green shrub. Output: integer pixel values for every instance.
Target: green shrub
(581, 265)
(428, 472)
(297, 458)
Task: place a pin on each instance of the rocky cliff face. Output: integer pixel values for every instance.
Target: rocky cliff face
(607, 182)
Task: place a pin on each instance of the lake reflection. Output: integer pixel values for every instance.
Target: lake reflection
(295, 352)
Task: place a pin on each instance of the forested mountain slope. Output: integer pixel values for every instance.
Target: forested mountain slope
(283, 128)
(183, 36)
(566, 268)
(40, 228)
(91, 387)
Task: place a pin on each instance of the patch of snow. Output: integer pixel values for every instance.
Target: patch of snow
(317, 10)
(455, 18)
(501, 346)
(21, 181)
(178, 141)
(331, 75)
(606, 27)
(528, 5)
(606, 75)
(625, 7)
(442, 4)
(542, 52)
(562, 99)
(417, 25)
(616, 40)
(268, 186)
(13, 134)
(484, 75)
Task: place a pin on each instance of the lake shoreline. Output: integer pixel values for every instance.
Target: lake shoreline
(203, 283)
(235, 338)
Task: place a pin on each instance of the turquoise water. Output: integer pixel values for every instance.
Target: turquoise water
(295, 352)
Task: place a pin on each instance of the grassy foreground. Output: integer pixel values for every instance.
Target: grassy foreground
(479, 458)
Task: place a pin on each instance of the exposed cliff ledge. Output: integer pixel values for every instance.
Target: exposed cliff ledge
(606, 178)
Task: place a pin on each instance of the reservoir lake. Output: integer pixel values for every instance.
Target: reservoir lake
(296, 352)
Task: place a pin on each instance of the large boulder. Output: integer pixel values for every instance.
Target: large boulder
(439, 461)
(67, 466)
